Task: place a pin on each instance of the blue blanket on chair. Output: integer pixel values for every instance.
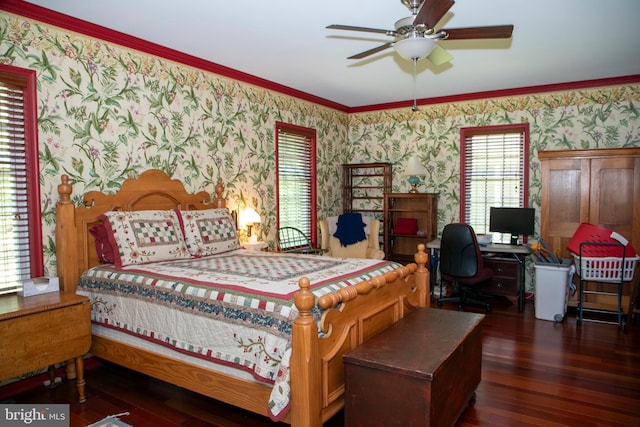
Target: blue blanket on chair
(350, 229)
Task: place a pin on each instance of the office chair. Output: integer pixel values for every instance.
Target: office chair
(461, 265)
(293, 240)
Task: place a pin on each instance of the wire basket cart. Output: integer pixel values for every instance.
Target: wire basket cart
(603, 269)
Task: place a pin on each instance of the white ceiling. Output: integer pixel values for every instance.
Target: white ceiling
(286, 42)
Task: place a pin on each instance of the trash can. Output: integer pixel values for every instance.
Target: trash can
(552, 289)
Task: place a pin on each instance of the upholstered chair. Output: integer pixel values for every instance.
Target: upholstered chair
(368, 248)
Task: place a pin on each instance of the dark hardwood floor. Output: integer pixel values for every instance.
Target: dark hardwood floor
(534, 373)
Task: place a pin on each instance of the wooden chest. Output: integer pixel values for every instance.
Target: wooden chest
(422, 371)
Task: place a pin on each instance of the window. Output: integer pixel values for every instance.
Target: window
(494, 171)
(20, 223)
(296, 175)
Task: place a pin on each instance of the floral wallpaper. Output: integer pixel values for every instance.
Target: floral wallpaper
(607, 117)
(107, 113)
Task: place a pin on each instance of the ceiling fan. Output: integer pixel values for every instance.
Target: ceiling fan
(416, 36)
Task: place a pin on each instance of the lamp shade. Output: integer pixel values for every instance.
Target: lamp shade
(414, 171)
(414, 47)
(414, 168)
(249, 216)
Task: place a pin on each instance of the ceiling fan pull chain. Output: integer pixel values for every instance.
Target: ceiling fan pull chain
(415, 64)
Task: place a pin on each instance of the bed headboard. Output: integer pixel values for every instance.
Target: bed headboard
(153, 189)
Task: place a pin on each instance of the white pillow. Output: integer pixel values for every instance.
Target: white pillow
(209, 231)
(145, 236)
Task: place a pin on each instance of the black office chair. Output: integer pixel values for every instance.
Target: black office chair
(461, 265)
(293, 240)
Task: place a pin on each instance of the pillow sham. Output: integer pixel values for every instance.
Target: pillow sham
(145, 236)
(209, 231)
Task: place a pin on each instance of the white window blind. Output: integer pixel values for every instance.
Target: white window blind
(14, 250)
(494, 172)
(296, 178)
(16, 263)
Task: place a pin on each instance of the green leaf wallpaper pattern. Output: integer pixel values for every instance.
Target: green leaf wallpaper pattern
(107, 113)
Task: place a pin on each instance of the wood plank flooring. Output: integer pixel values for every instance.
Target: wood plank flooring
(534, 373)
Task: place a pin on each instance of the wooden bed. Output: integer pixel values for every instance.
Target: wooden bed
(351, 315)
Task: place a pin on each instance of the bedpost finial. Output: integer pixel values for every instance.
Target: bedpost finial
(421, 256)
(219, 201)
(304, 299)
(219, 188)
(65, 189)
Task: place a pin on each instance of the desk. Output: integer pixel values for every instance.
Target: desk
(499, 257)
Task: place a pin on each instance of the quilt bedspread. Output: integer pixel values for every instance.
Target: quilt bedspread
(235, 308)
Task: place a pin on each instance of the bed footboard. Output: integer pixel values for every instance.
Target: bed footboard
(352, 315)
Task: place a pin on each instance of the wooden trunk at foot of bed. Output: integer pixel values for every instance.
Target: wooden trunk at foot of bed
(351, 315)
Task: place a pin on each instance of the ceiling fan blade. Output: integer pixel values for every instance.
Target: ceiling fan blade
(432, 11)
(493, 32)
(363, 29)
(371, 51)
(439, 56)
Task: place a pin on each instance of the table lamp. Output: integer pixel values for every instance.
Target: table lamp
(248, 218)
(414, 171)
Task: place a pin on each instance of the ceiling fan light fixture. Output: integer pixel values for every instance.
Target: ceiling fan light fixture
(414, 47)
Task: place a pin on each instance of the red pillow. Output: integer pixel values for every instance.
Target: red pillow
(406, 226)
(103, 245)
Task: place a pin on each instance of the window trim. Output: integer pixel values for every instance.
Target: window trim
(466, 132)
(27, 79)
(311, 134)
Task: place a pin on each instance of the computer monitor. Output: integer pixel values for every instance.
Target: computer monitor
(516, 221)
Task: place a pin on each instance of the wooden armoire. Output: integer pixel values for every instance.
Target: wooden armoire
(601, 187)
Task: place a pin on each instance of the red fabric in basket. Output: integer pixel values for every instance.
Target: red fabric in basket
(592, 233)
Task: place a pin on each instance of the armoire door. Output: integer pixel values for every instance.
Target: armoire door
(565, 201)
(615, 196)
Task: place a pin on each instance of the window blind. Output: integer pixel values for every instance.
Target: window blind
(494, 163)
(14, 246)
(20, 222)
(296, 177)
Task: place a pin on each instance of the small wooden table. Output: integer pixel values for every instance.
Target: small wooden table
(254, 246)
(41, 330)
(422, 371)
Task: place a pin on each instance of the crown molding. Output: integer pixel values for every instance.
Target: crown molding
(38, 13)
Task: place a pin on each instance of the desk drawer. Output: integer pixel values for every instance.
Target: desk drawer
(500, 286)
(506, 275)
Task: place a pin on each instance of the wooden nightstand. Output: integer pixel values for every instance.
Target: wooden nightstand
(42, 330)
(254, 246)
